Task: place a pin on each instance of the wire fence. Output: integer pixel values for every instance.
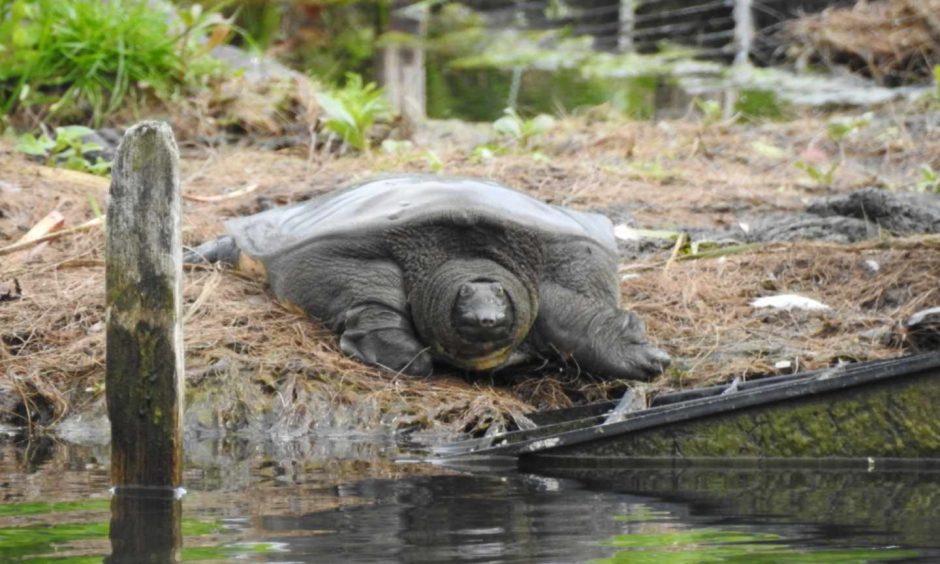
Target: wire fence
(719, 29)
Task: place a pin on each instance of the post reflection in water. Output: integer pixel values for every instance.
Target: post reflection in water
(343, 500)
(146, 525)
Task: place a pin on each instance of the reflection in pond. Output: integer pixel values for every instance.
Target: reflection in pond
(145, 526)
(897, 507)
(347, 499)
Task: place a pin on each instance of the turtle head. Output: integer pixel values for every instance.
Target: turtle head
(473, 312)
(483, 311)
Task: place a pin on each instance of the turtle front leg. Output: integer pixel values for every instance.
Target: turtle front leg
(362, 299)
(602, 339)
(381, 336)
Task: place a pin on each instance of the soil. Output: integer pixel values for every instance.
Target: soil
(257, 368)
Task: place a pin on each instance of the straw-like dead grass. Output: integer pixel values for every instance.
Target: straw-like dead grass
(253, 365)
(889, 40)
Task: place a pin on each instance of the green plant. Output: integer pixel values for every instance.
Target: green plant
(522, 131)
(840, 129)
(486, 153)
(756, 104)
(821, 176)
(711, 110)
(82, 59)
(353, 109)
(68, 148)
(433, 162)
(651, 170)
(936, 80)
(929, 179)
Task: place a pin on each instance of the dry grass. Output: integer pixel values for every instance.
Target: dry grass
(889, 40)
(703, 308)
(253, 365)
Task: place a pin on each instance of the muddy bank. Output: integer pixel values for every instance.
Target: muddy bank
(254, 367)
(849, 218)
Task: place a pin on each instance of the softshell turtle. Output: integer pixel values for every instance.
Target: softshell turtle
(407, 269)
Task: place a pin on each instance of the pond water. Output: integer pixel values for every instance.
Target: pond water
(367, 499)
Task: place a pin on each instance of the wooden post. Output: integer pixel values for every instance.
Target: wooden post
(144, 380)
(627, 25)
(403, 72)
(743, 31)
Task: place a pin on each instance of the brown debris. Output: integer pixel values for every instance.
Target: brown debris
(890, 40)
(252, 365)
(14, 293)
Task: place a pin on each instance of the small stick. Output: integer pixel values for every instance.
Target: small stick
(51, 223)
(20, 245)
(220, 198)
(681, 241)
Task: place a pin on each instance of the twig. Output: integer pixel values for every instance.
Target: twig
(81, 263)
(49, 224)
(54, 235)
(65, 175)
(220, 198)
(207, 290)
(681, 241)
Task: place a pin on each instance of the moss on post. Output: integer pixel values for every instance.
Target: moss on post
(144, 379)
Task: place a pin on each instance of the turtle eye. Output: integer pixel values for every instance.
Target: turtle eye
(465, 290)
(499, 291)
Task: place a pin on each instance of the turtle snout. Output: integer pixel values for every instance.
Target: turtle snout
(492, 319)
(484, 326)
(487, 318)
(483, 312)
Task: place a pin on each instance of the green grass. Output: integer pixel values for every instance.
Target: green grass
(709, 545)
(36, 543)
(82, 60)
(41, 508)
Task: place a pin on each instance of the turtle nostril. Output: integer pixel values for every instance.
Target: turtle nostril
(487, 321)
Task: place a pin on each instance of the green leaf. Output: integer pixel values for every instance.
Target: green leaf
(841, 128)
(929, 180)
(818, 175)
(537, 126)
(936, 79)
(71, 132)
(509, 126)
(711, 110)
(434, 162)
(101, 168)
(353, 109)
(29, 145)
(89, 147)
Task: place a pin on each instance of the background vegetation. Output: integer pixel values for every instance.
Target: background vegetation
(84, 60)
(94, 63)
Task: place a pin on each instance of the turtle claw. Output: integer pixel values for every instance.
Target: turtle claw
(651, 361)
(392, 349)
(420, 365)
(634, 361)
